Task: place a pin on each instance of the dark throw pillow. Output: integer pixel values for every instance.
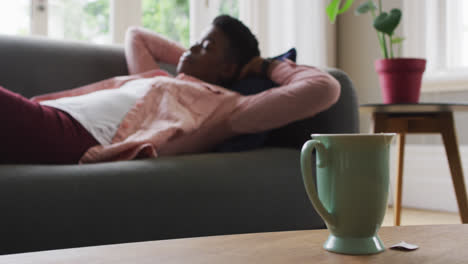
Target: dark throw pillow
(248, 86)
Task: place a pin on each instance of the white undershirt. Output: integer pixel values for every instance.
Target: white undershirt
(101, 112)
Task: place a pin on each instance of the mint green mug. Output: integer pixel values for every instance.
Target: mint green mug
(352, 188)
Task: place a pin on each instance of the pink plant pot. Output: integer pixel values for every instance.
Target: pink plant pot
(400, 79)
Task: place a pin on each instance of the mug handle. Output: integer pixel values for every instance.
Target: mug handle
(306, 166)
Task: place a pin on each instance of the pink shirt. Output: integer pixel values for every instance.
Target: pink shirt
(185, 115)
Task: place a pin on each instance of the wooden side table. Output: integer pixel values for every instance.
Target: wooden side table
(421, 118)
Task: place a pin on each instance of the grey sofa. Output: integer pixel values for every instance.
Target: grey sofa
(60, 206)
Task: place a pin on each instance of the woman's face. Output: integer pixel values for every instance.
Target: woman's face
(206, 60)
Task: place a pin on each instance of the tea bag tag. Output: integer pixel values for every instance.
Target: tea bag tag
(404, 246)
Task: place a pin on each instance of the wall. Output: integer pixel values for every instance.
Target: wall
(427, 183)
(303, 24)
(426, 178)
(358, 48)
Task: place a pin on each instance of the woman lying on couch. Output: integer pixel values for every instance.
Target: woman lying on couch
(150, 113)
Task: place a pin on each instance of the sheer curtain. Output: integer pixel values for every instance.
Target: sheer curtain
(280, 25)
(436, 30)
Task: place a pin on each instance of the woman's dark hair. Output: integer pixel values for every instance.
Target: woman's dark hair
(243, 44)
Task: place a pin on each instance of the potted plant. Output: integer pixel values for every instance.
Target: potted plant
(400, 78)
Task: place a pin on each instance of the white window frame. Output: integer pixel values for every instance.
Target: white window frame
(429, 34)
(277, 24)
(123, 14)
(39, 15)
(126, 13)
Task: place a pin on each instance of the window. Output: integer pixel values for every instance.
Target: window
(169, 18)
(457, 28)
(278, 25)
(62, 19)
(172, 18)
(202, 13)
(438, 31)
(105, 21)
(15, 18)
(229, 7)
(86, 20)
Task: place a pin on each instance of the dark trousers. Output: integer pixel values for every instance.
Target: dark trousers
(36, 134)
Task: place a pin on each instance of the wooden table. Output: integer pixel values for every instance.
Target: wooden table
(437, 244)
(421, 118)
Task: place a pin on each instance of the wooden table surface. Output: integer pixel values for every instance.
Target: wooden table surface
(447, 244)
(414, 108)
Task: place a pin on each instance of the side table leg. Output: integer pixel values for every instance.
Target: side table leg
(451, 147)
(399, 180)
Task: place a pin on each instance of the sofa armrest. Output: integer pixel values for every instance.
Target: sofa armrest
(342, 117)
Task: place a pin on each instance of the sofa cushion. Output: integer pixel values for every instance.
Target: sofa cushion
(253, 85)
(342, 117)
(248, 86)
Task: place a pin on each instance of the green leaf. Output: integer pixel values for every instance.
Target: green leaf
(346, 6)
(397, 40)
(387, 23)
(365, 7)
(332, 10)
